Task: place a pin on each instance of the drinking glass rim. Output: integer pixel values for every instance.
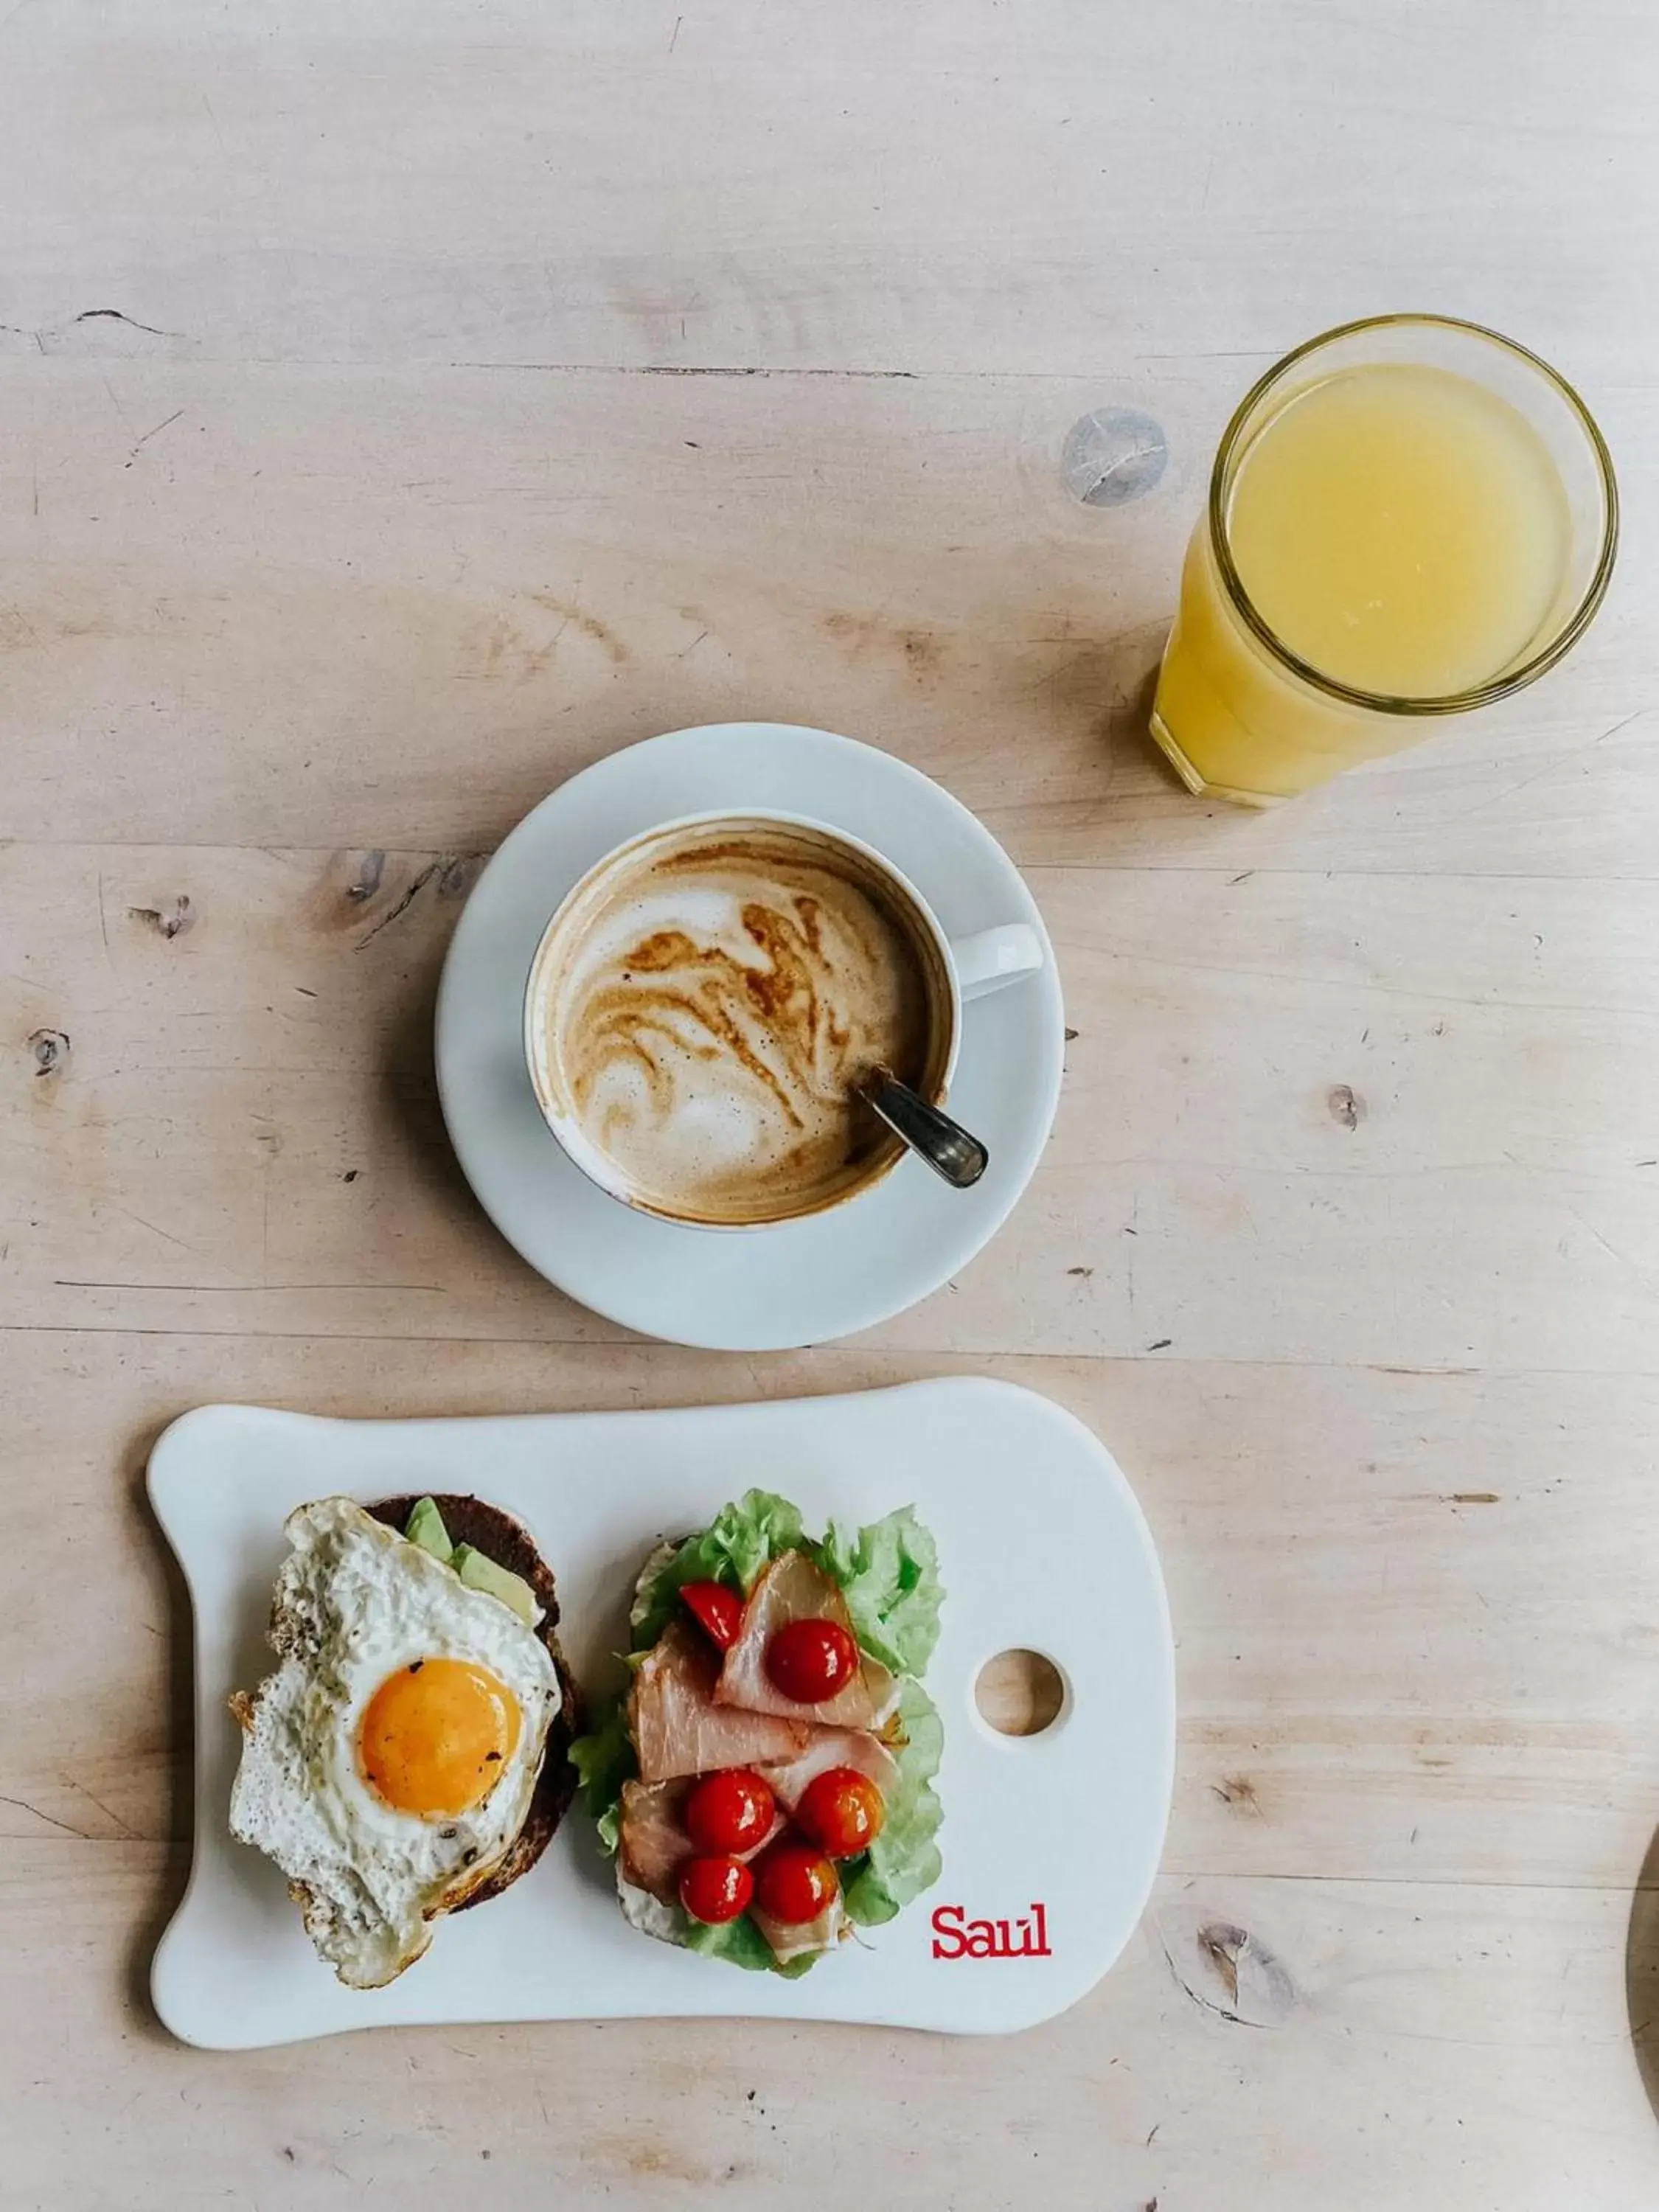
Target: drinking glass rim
(1449, 703)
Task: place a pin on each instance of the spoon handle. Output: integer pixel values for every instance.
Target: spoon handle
(944, 1143)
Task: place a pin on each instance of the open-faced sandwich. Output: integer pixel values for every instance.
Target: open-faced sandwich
(410, 1756)
(766, 1784)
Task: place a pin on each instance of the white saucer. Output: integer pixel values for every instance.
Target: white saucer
(798, 1282)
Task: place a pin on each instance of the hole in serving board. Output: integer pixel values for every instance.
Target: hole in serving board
(1020, 1693)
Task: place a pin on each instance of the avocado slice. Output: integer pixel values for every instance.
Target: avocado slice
(480, 1573)
(426, 1528)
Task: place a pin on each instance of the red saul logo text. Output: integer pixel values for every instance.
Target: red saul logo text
(956, 1936)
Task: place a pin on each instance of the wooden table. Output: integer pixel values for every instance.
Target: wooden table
(404, 406)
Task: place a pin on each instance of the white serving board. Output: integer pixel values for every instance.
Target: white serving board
(1042, 1544)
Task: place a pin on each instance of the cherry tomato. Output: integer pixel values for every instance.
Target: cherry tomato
(716, 1610)
(729, 1812)
(809, 1661)
(794, 1883)
(842, 1811)
(715, 1889)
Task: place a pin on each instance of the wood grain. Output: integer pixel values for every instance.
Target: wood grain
(1368, 2046)
(969, 189)
(282, 605)
(1404, 1121)
(402, 409)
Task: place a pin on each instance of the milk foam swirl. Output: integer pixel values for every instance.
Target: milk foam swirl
(711, 1007)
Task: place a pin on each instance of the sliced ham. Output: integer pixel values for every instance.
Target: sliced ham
(654, 1844)
(791, 1588)
(828, 1748)
(793, 1941)
(677, 1727)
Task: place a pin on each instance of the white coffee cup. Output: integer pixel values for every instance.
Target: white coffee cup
(954, 972)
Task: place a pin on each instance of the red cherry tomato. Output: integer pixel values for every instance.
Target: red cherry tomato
(715, 1889)
(809, 1661)
(842, 1811)
(794, 1883)
(716, 1610)
(729, 1812)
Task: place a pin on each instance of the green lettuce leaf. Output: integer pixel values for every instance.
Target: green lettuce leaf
(889, 1575)
(604, 1760)
(740, 1943)
(904, 1858)
(733, 1548)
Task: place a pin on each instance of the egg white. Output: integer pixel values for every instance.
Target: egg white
(354, 1601)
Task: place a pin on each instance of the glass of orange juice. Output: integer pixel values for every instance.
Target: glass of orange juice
(1408, 517)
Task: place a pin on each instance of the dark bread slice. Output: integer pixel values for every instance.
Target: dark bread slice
(509, 1543)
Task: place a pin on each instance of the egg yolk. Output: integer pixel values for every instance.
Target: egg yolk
(437, 1735)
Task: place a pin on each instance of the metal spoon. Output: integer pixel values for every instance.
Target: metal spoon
(932, 1135)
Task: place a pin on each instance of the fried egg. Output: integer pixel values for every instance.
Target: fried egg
(388, 1764)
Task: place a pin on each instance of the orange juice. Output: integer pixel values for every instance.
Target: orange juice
(1400, 541)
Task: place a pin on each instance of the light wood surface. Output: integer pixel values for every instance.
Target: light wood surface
(403, 407)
